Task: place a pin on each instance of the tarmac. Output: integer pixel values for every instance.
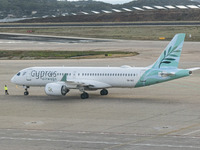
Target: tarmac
(159, 117)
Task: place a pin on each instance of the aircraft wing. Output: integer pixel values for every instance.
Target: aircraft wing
(88, 83)
(93, 84)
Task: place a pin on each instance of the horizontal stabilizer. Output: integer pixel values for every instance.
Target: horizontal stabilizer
(166, 74)
(193, 69)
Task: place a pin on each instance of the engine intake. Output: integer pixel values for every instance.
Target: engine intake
(56, 89)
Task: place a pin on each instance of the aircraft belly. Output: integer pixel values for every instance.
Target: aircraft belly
(128, 82)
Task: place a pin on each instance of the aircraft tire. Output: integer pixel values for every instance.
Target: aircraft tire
(26, 93)
(104, 92)
(84, 95)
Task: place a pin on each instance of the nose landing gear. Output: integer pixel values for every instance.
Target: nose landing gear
(26, 90)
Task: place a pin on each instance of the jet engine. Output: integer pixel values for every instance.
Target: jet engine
(56, 89)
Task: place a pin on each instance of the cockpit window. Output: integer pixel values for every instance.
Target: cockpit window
(18, 74)
(24, 73)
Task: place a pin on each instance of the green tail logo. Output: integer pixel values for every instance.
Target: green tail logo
(171, 55)
(166, 66)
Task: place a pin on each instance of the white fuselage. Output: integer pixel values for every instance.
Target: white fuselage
(122, 77)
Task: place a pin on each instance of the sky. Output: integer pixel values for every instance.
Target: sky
(112, 1)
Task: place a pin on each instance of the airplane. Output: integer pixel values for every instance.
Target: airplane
(58, 81)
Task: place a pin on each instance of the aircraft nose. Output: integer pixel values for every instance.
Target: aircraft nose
(13, 80)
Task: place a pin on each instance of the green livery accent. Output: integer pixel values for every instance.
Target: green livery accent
(171, 55)
(64, 78)
(166, 66)
(153, 76)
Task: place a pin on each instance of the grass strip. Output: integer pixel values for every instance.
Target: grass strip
(25, 55)
(122, 32)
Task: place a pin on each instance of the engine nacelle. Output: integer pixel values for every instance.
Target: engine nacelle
(56, 89)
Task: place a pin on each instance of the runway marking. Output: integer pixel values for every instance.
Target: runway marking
(100, 142)
(192, 132)
(54, 140)
(170, 146)
(100, 133)
(153, 137)
(181, 129)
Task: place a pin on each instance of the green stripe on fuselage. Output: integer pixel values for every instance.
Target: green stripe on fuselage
(152, 76)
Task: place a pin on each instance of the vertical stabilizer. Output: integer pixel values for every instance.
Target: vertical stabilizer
(171, 55)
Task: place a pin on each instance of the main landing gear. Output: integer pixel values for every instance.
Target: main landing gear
(104, 92)
(85, 95)
(26, 90)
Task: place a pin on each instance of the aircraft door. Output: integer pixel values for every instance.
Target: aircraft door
(28, 75)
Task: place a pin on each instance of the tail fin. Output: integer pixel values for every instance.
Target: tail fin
(171, 55)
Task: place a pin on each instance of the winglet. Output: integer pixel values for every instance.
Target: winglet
(64, 78)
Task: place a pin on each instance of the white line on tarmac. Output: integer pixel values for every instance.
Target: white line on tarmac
(54, 140)
(100, 142)
(170, 146)
(192, 132)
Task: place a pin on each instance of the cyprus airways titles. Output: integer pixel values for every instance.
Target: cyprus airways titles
(58, 81)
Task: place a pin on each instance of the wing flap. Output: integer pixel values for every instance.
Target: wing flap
(88, 83)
